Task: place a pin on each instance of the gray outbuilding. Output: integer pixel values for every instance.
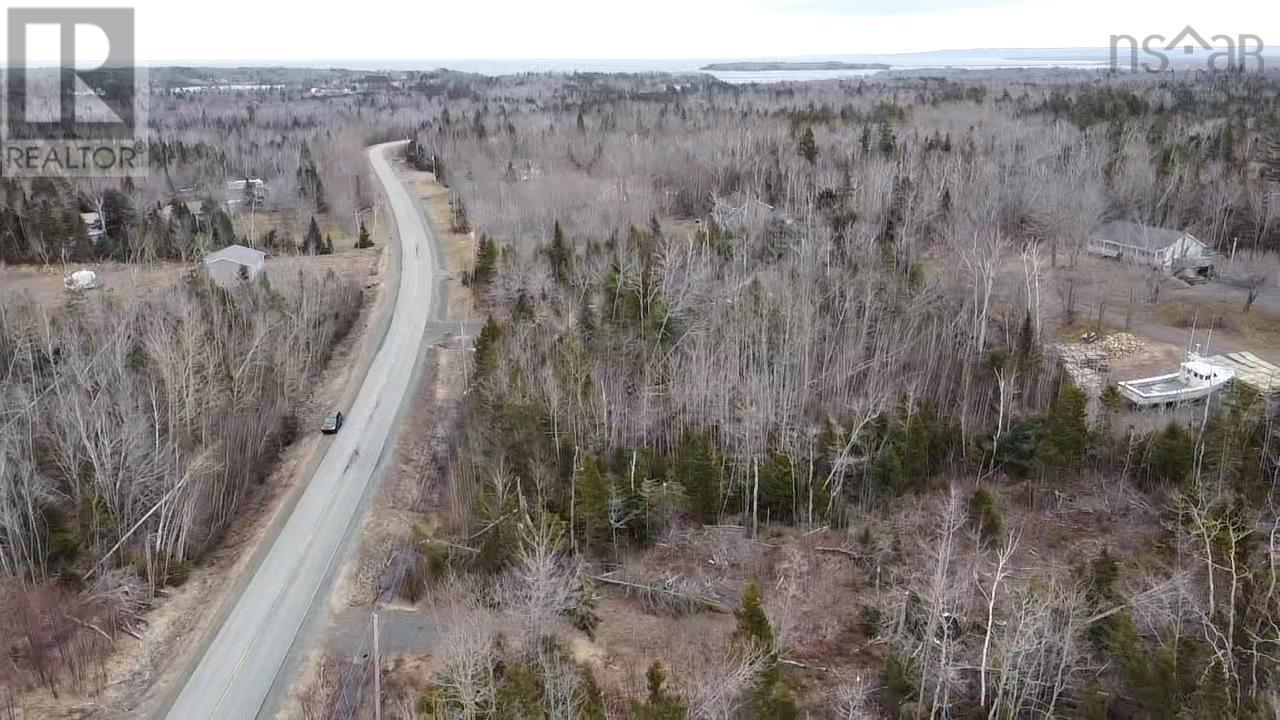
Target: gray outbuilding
(234, 264)
(1176, 251)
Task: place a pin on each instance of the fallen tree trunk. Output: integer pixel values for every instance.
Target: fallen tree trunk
(666, 597)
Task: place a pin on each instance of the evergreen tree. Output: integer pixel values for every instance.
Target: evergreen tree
(1027, 355)
(984, 515)
(1227, 146)
(310, 187)
(223, 232)
(117, 217)
(887, 476)
(753, 629)
(591, 504)
(698, 469)
(1168, 459)
(808, 148)
(660, 704)
(770, 696)
(486, 350)
(560, 255)
(486, 260)
(1067, 437)
(1271, 154)
(312, 243)
(363, 241)
(888, 141)
(777, 488)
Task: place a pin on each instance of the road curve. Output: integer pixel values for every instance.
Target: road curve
(243, 663)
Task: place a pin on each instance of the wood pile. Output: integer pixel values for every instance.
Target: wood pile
(1122, 344)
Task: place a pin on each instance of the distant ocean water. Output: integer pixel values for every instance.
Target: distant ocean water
(969, 59)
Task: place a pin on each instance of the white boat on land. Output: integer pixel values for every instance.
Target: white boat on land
(1196, 379)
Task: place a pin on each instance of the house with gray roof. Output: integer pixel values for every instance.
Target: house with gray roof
(233, 265)
(1176, 251)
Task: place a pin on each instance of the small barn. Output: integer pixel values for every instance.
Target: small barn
(1176, 251)
(234, 264)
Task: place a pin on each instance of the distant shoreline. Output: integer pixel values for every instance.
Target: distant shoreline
(792, 66)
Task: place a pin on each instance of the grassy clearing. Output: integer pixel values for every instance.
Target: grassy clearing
(1256, 327)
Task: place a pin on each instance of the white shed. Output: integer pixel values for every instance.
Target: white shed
(232, 264)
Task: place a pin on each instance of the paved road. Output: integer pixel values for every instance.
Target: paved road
(244, 661)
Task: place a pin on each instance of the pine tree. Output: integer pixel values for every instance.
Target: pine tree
(559, 255)
(1270, 150)
(660, 703)
(887, 475)
(985, 516)
(1169, 457)
(698, 469)
(117, 217)
(770, 696)
(888, 142)
(312, 244)
(486, 260)
(224, 233)
(486, 350)
(753, 630)
(1027, 354)
(308, 177)
(808, 148)
(1067, 437)
(591, 504)
(363, 241)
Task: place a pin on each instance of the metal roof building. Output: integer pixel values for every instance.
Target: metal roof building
(233, 263)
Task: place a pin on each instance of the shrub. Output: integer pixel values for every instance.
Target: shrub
(985, 516)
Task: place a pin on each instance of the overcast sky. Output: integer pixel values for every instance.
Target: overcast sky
(259, 30)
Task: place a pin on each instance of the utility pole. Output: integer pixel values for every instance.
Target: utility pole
(377, 670)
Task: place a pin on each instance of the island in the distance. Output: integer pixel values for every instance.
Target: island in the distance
(770, 66)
